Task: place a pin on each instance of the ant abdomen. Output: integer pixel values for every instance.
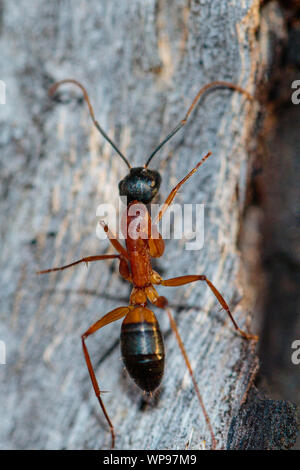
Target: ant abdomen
(143, 348)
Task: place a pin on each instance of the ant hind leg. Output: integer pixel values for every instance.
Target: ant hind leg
(110, 317)
(162, 302)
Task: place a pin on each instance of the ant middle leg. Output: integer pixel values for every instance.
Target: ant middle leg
(180, 281)
(86, 260)
(116, 244)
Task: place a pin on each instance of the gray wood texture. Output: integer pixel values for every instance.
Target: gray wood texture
(142, 63)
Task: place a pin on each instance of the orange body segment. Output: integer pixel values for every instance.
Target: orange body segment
(135, 227)
(140, 314)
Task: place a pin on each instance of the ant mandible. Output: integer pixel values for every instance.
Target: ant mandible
(141, 340)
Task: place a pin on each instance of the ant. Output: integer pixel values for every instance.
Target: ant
(142, 344)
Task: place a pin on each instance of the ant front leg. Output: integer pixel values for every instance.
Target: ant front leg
(110, 317)
(180, 281)
(156, 243)
(174, 191)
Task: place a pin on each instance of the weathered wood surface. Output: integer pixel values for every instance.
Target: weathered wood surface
(262, 423)
(143, 63)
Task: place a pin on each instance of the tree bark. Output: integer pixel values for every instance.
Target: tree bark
(142, 63)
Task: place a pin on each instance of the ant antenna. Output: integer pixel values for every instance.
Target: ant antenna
(184, 121)
(86, 97)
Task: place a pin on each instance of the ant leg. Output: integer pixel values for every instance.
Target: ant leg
(180, 281)
(172, 194)
(116, 244)
(113, 239)
(188, 364)
(86, 260)
(162, 302)
(110, 317)
(156, 243)
(124, 269)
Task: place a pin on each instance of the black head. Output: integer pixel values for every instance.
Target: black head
(140, 185)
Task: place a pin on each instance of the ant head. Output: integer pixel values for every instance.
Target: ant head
(140, 185)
